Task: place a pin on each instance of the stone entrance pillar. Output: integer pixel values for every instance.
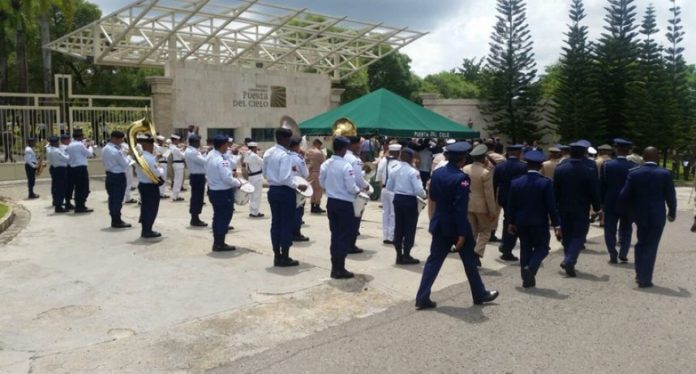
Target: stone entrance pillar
(162, 102)
(335, 99)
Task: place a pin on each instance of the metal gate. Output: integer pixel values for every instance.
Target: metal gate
(39, 116)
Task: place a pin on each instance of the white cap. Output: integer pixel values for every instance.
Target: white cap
(177, 137)
(592, 151)
(160, 137)
(451, 141)
(252, 144)
(394, 147)
(230, 140)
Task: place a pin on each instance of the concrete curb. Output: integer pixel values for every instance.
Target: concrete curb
(7, 220)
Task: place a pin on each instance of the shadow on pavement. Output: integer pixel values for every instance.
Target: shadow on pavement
(365, 256)
(291, 271)
(543, 292)
(418, 268)
(664, 291)
(489, 272)
(229, 254)
(145, 242)
(473, 314)
(353, 285)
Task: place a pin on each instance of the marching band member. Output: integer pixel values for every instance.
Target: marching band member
(386, 166)
(196, 163)
(65, 140)
(127, 199)
(116, 165)
(254, 167)
(449, 193)
(337, 178)
(31, 163)
(149, 191)
(406, 185)
(503, 175)
(299, 168)
(315, 157)
(178, 166)
(221, 185)
(357, 164)
(78, 150)
(483, 210)
(277, 169)
(58, 160)
(162, 153)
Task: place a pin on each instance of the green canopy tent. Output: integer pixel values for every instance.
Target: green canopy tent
(383, 112)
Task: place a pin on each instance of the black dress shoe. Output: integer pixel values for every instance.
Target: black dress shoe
(60, 209)
(231, 228)
(569, 269)
(427, 304)
(121, 225)
(387, 242)
(341, 274)
(509, 257)
(645, 285)
(355, 250)
(33, 196)
(150, 235)
(130, 201)
(300, 238)
(623, 259)
(258, 215)
(69, 207)
(198, 223)
(613, 260)
(178, 199)
(286, 262)
(478, 262)
(528, 280)
(487, 298)
(223, 248)
(494, 239)
(407, 260)
(83, 210)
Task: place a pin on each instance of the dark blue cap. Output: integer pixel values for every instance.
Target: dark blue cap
(220, 140)
(409, 151)
(340, 142)
(536, 157)
(580, 144)
(459, 147)
(514, 147)
(65, 136)
(194, 138)
(622, 142)
(53, 139)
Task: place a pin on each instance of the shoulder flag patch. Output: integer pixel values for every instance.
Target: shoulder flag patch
(465, 183)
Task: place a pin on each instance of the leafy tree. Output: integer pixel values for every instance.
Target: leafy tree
(450, 85)
(393, 72)
(616, 60)
(512, 96)
(573, 98)
(355, 86)
(471, 69)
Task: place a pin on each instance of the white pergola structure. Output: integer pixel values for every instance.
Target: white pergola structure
(247, 33)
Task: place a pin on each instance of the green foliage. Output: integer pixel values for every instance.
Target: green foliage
(393, 72)
(450, 85)
(355, 86)
(471, 70)
(512, 97)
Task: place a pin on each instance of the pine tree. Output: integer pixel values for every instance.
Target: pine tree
(677, 78)
(573, 99)
(511, 94)
(616, 57)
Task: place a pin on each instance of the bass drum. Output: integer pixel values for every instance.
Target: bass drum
(243, 193)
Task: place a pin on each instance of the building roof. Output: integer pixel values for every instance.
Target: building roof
(247, 33)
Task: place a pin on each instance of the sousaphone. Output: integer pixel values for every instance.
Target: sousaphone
(142, 126)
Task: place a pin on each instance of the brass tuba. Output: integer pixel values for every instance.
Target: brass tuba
(135, 128)
(344, 127)
(289, 123)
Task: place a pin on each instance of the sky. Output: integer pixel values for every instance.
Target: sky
(459, 29)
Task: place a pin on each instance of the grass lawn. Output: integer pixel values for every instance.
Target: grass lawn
(4, 209)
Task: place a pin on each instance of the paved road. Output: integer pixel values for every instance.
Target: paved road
(599, 322)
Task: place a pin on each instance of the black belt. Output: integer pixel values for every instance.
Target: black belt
(256, 173)
(178, 161)
(108, 172)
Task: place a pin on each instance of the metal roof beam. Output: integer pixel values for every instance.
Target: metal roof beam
(312, 37)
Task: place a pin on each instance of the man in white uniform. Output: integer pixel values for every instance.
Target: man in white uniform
(387, 165)
(178, 166)
(254, 165)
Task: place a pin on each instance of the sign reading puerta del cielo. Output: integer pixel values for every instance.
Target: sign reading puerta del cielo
(261, 96)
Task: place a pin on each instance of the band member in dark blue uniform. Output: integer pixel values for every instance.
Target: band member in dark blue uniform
(221, 186)
(449, 193)
(337, 178)
(575, 187)
(148, 189)
(648, 189)
(612, 179)
(503, 175)
(58, 160)
(116, 165)
(195, 162)
(531, 206)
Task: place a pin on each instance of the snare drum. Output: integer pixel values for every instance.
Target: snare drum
(359, 204)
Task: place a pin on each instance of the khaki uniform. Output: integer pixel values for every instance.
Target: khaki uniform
(600, 161)
(482, 206)
(493, 159)
(549, 167)
(314, 158)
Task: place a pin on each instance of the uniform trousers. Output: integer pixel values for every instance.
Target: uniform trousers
(149, 205)
(316, 188)
(223, 202)
(574, 227)
(508, 240)
(31, 178)
(611, 220)
(178, 168)
(80, 179)
(282, 200)
(255, 198)
(425, 177)
(534, 245)
(197, 182)
(439, 249)
(406, 220)
(69, 185)
(129, 183)
(299, 215)
(341, 216)
(163, 172)
(481, 227)
(59, 183)
(646, 251)
(387, 198)
(116, 189)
